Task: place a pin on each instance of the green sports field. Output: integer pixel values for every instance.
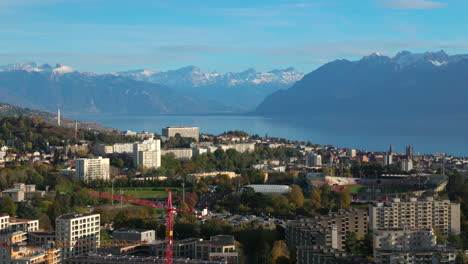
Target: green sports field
(145, 192)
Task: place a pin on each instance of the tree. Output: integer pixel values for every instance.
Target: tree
(27, 211)
(296, 196)
(7, 206)
(316, 198)
(279, 251)
(440, 238)
(352, 243)
(343, 198)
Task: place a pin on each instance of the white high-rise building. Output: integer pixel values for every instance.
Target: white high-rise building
(350, 153)
(388, 159)
(147, 153)
(93, 169)
(81, 232)
(414, 213)
(313, 160)
(406, 165)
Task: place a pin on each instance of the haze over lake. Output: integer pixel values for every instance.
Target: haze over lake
(448, 135)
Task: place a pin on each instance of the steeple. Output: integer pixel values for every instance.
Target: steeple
(390, 150)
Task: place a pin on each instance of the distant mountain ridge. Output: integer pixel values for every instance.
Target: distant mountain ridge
(243, 90)
(407, 84)
(184, 91)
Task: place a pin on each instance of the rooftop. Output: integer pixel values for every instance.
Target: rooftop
(74, 215)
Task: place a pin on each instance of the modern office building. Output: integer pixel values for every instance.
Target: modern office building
(88, 170)
(328, 230)
(79, 232)
(189, 132)
(414, 213)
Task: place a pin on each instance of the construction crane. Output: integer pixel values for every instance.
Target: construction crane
(168, 207)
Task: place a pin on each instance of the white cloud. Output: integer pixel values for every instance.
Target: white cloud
(412, 4)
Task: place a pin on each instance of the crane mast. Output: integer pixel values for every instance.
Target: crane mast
(168, 207)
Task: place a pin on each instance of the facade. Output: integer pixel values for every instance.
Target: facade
(153, 159)
(179, 153)
(409, 239)
(21, 192)
(139, 235)
(350, 153)
(388, 159)
(93, 169)
(101, 258)
(10, 224)
(220, 248)
(39, 238)
(313, 160)
(422, 256)
(325, 255)
(269, 188)
(189, 132)
(413, 214)
(81, 232)
(241, 148)
(406, 165)
(122, 148)
(21, 253)
(328, 230)
(149, 159)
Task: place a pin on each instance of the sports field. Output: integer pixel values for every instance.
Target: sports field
(145, 192)
(362, 189)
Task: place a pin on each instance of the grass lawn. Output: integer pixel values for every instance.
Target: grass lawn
(355, 189)
(146, 192)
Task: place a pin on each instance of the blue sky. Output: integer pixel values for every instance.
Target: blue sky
(222, 35)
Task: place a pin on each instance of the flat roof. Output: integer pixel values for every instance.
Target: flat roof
(75, 215)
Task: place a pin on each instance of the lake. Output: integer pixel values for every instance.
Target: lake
(447, 135)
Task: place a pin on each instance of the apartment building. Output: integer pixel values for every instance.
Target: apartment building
(179, 153)
(11, 224)
(183, 131)
(241, 147)
(313, 160)
(410, 246)
(326, 255)
(328, 230)
(416, 214)
(218, 248)
(147, 153)
(21, 192)
(78, 232)
(16, 251)
(88, 170)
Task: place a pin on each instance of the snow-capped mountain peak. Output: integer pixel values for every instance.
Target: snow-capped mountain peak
(33, 67)
(192, 76)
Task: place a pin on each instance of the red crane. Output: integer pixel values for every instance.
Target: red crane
(168, 207)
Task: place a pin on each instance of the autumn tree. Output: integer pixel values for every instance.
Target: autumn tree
(296, 196)
(279, 252)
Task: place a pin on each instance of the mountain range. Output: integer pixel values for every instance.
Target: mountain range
(408, 84)
(239, 91)
(182, 91)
